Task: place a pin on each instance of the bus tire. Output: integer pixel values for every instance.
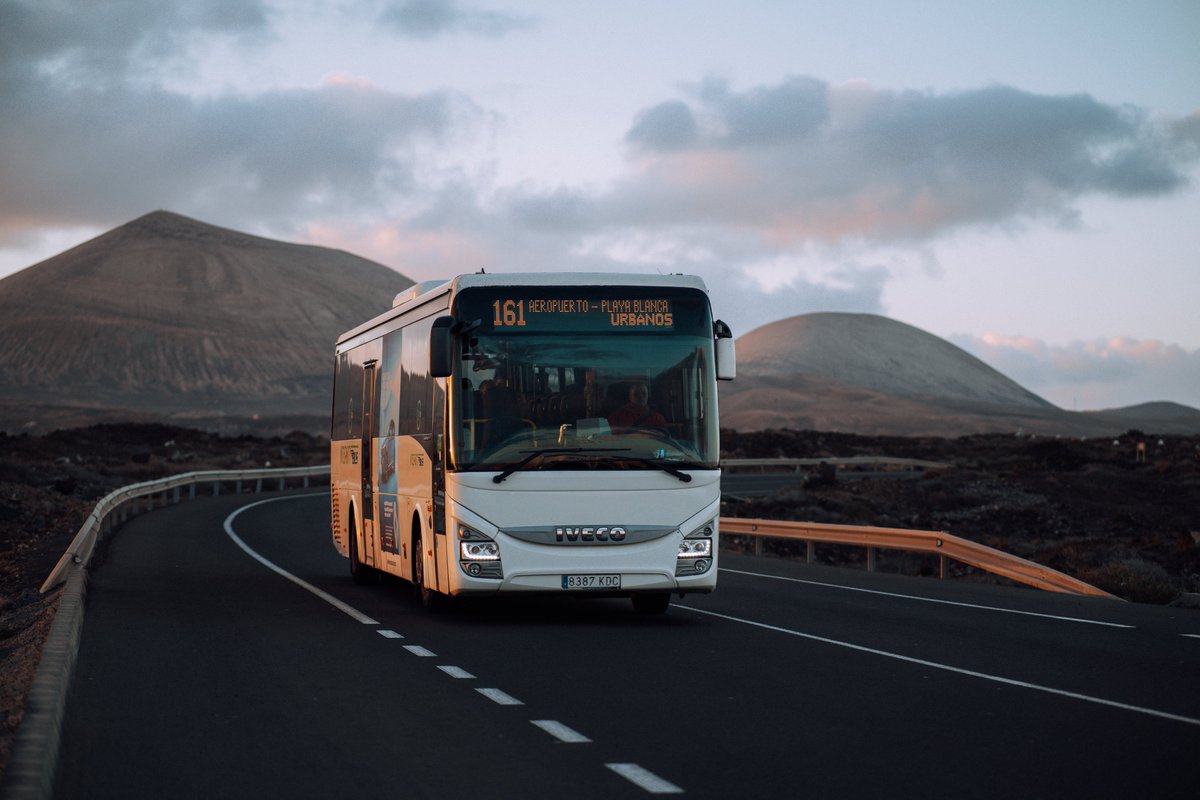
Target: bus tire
(429, 599)
(651, 602)
(359, 572)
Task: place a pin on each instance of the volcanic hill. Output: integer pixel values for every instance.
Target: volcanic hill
(166, 317)
(169, 319)
(871, 375)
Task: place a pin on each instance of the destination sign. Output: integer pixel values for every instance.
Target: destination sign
(522, 310)
(581, 313)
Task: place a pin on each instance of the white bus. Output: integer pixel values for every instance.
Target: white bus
(552, 433)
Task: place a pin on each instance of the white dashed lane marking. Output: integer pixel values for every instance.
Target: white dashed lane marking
(639, 776)
(560, 731)
(644, 778)
(502, 698)
(417, 650)
(456, 672)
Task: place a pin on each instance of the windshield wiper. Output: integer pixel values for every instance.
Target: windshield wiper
(657, 464)
(551, 451)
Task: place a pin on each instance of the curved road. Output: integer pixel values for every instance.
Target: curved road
(204, 673)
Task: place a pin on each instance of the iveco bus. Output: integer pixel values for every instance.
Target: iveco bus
(552, 433)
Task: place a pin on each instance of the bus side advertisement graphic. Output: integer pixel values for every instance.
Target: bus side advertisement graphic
(387, 525)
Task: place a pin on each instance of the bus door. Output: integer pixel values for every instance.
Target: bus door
(367, 460)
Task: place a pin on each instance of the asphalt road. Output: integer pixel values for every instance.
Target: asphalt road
(203, 673)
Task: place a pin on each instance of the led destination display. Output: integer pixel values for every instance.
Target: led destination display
(518, 310)
(645, 314)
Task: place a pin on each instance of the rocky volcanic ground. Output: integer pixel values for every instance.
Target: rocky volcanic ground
(1089, 508)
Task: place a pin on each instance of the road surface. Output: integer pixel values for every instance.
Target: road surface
(206, 671)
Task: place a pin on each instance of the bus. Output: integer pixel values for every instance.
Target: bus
(533, 433)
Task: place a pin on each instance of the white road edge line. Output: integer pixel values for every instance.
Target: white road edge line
(303, 584)
(1191, 635)
(644, 778)
(499, 697)
(560, 731)
(946, 667)
(928, 599)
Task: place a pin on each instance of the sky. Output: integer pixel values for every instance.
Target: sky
(1020, 178)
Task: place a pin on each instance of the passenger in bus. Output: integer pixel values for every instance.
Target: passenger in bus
(637, 413)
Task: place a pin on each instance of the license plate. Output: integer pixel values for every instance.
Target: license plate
(591, 581)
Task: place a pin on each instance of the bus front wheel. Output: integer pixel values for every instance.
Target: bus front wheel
(430, 599)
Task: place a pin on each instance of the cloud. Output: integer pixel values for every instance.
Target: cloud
(801, 175)
(763, 292)
(337, 148)
(760, 117)
(115, 41)
(666, 127)
(803, 160)
(776, 193)
(428, 19)
(1096, 373)
(106, 149)
(813, 181)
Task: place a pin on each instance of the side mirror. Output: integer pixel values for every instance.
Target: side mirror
(726, 352)
(441, 348)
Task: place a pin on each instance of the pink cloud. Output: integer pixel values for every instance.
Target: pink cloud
(1096, 373)
(416, 253)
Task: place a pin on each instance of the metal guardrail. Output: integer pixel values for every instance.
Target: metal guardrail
(121, 501)
(938, 543)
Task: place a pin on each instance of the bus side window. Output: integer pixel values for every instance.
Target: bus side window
(347, 398)
(415, 392)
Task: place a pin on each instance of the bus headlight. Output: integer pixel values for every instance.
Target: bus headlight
(478, 556)
(695, 557)
(479, 551)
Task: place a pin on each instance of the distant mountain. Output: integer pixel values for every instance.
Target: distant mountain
(877, 353)
(868, 374)
(1149, 411)
(169, 317)
(1160, 417)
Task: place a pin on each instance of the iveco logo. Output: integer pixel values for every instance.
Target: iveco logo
(600, 534)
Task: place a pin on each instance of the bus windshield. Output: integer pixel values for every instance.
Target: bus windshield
(554, 399)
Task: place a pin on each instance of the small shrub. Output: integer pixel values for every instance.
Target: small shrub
(1134, 580)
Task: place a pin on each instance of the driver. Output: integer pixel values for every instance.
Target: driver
(636, 414)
